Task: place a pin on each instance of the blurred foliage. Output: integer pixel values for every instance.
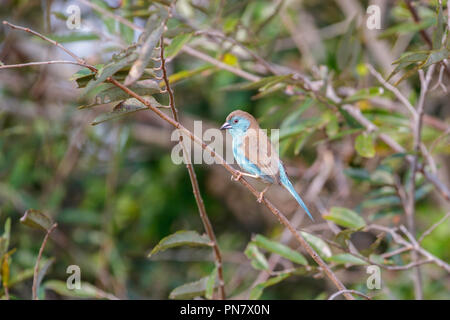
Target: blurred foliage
(116, 196)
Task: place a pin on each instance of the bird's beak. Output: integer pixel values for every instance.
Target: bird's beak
(225, 126)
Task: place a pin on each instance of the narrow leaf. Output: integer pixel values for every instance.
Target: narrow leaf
(320, 246)
(176, 45)
(439, 32)
(87, 290)
(364, 145)
(112, 93)
(146, 50)
(36, 219)
(258, 260)
(210, 284)
(118, 62)
(124, 108)
(190, 290)
(257, 291)
(280, 249)
(345, 217)
(42, 271)
(181, 238)
(346, 258)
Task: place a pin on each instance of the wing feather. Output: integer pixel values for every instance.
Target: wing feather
(260, 151)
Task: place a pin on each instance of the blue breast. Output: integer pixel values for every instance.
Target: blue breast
(245, 163)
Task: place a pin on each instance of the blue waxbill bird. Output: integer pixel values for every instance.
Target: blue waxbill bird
(255, 154)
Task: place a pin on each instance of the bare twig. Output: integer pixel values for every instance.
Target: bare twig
(400, 240)
(79, 60)
(195, 188)
(393, 89)
(334, 295)
(434, 226)
(416, 19)
(410, 207)
(38, 260)
(29, 64)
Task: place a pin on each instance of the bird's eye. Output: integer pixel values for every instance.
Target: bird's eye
(236, 121)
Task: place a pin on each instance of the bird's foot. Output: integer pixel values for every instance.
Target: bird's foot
(237, 176)
(261, 195)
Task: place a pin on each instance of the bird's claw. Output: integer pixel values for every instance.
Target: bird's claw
(260, 197)
(237, 177)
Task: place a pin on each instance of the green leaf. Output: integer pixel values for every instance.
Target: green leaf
(365, 94)
(210, 284)
(437, 56)
(181, 238)
(299, 128)
(346, 258)
(5, 238)
(185, 74)
(190, 290)
(320, 246)
(87, 290)
(125, 108)
(42, 271)
(153, 31)
(439, 32)
(346, 45)
(257, 291)
(272, 80)
(59, 15)
(357, 173)
(293, 117)
(280, 249)
(332, 127)
(118, 62)
(345, 217)
(258, 260)
(127, 33)
(75, 37)
(364, 145)
(408, 27)
(176, 45)
(36, 219)
(352, 122)
(112, 93)
(382, 177)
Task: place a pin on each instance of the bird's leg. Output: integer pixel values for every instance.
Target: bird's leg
(261, 194)
(240, 174)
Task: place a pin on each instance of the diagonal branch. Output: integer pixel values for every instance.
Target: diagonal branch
(195, 188)
(281, 217)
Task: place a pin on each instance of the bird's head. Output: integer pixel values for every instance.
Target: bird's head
(238, 122)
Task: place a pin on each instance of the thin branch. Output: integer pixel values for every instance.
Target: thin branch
(434, 226)
(393, 89)
(112, 15)
(213, 34)
(195, 187)
(39, 63)
(334, 295)
(70, 53)
(399, 240)
(416, 19)
(410, 207)
(36, 266)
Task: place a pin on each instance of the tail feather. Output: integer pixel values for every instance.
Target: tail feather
(289, 187)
